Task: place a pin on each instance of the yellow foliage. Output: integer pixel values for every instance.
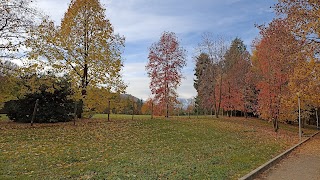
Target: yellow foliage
(97, 99)
(84, 47)
(306, 82)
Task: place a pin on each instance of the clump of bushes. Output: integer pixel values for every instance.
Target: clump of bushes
(54, 105)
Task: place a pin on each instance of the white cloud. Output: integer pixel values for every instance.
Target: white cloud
(138, 86)
(186, 90)
(140, 20)
(134, 68)
(143, 21)
(135, 76)
(55, 9)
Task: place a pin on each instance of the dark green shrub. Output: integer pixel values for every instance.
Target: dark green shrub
(53, 106)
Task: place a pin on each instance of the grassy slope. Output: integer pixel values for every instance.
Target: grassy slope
(178, 148)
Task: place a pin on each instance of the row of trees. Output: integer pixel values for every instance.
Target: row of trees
(286, 59)
(85, 49)
(221, 76)
(284, 64)
(283, 67)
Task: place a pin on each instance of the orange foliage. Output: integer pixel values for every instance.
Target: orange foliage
(276, 55)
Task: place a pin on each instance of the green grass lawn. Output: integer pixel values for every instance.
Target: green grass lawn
(3, 117)
(178, 148)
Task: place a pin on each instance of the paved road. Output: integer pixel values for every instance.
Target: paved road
(303, 163)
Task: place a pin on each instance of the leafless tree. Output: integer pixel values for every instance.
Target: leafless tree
(16, 18)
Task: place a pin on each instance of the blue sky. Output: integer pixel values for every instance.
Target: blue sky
(143, 21)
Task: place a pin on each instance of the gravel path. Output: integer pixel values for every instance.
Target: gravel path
(303, 163)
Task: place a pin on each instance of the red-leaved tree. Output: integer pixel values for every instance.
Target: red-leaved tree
(166, 60)
(274, 59)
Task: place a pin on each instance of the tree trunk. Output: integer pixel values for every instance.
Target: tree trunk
(317, 118)
(275, 124)
(220, 96)
(167, 113)
(152, 110)
(132, 109)
(245, 111)
(197, 112)
(75, 113)
(109, 110)
(34, 112)
(215, 110)
(167, 93)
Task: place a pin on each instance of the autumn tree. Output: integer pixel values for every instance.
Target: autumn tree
(8, 81)
(18, 82)
(97, 99)
(84, 46)
(166, 60)
(275, 56)
(147, 107)
(178, 108)
(190, 106)
(250, 93)
(302, 17)
(16, 18)
(236, 66)
(303, 20)
(305, 83)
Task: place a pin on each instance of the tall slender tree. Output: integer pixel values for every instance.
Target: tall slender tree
(166, 60)
(205, 83)
(236, 66)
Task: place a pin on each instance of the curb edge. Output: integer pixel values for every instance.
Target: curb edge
(273, 161)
